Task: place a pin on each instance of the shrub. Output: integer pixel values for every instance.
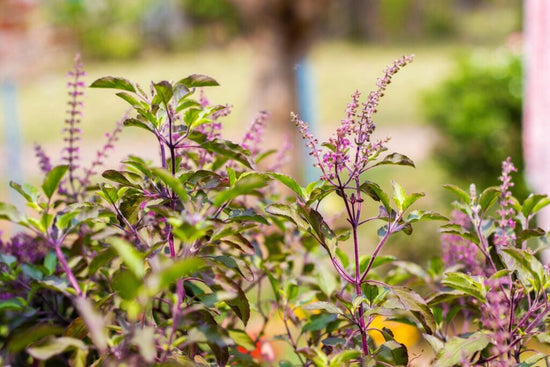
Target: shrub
(193, 262)
(478, 113)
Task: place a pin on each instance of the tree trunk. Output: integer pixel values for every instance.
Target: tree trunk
(281, 32)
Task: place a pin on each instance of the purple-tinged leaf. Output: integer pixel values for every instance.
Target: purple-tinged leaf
(414, 303)
(164, 92)
(54, 346)
(396, 158)
(113, 83)
(129, 98)
(198, 80)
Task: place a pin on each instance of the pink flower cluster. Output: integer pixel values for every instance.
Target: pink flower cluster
(505, 235)
(459, 251)
(351, 148)
(254, 134)
(72, 131)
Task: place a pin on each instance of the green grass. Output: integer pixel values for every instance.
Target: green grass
(339, 70)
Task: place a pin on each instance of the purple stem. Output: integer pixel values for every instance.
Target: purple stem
(67, 269)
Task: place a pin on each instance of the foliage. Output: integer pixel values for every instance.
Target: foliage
(196, 261)
(492, 278)
(478, 113)
(106, 29)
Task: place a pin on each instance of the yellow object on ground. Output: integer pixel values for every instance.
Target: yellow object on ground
(404, 333)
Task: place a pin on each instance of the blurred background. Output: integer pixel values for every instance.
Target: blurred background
(456, 110)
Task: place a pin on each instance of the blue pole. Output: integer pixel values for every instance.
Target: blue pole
(12, 135)
(307, 106)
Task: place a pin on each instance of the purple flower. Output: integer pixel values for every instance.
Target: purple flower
(254, 134)
(72, 132)
(351, 147)
(26, 248)
(43, 160)
(459, 251)
(505, 235)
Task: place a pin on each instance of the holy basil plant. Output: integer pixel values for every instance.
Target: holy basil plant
(208, 255)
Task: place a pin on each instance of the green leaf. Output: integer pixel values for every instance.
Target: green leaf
(534, 360)
(198, 80)
(396, 158)
(465, 283)
(446, 296)
(530, 270)
(129, 98)
(342, 256)
(434, 342)
(113, 83)
(29, 192)
(488, 197)
(288, 212)
(414, 303)
(164, 91)
(12, 304)
(244, 185)
(240, 306)
(289, 182)
(319, 322)
(533, 204)
(342, 358)
(421, 215)
(394, 353)
(376, 193)
(130, 256)
(94, 322)
(52, 180)
(55, 346)
(50, 262)
(458, 348)
(228, 150)
(64, 220)
(240, 242)
(242, 339)
(180, 92)
(458, 230)
(101, 259)
(172, 182)
(530, 233)
(325, 306)
(326, 280)
(318, 227)
(242, 215)
(402, 200)
(138, 123)
(179, 269)
(234, 264)
(399, 196)
(9, 212)
(231, 175)
(22, 337)
(126, 284)
(118, 177)
(464, 197)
